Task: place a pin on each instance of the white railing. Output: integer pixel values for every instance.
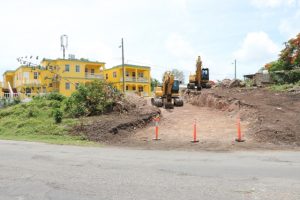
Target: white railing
(128, 79)
(96, 76)
(133, 79)
(143, 94)
(27, 83)
(142, 80)
(20, 95)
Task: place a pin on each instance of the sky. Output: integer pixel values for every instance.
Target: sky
(162, 34)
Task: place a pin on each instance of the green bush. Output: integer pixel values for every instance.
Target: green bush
(55, 96)
(91, 99)
(58, 115)
(292, 76)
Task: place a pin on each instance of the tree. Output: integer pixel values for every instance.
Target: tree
(178, 75)
(154, 83)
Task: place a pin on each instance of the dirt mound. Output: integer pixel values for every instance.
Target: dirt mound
(227, 83)
(274, 117)
(129, 114)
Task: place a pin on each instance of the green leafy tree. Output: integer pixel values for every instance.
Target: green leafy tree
(154, 83)
(91, 99)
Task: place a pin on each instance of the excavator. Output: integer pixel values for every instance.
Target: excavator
(167, 95)
(200, 79)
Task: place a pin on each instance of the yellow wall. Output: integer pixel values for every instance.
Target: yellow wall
(132, 82)
(52, 76)
(94, 71)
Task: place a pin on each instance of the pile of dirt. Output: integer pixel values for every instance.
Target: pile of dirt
(227, 83)
(129, 114)
(274, 117)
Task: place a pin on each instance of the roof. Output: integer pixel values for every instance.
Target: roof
(249, 75)
(77, 60)
(131, 65)
(7, 71)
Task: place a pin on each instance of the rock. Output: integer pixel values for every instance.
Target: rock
(234, 83)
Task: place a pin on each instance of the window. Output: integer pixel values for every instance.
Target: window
(133, 88)
(77, 68)
(127, 73)
(26, 75)
(92, 71)
(141, 74)
(35, 75)
(115, 74)
(50, 85)
(127, 87)
(133, 74)
(106, 76)
(141, 88)
(76, 85)
(86, 70)
(67, 68)
(68, 86)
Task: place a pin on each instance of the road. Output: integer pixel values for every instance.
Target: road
(41, 171)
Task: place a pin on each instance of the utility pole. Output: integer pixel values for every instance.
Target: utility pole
(235, 69)
(123, 67)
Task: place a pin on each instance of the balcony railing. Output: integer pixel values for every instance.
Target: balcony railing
(30, 83)
(20, 95)
(142, 80)
(94, 76)
(134, 79)
(143, 94)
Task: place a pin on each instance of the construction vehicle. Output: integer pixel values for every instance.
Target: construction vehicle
(167, 95)
(200, 79)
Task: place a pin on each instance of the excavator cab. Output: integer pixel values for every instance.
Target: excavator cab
(205, 74)
(175, 87)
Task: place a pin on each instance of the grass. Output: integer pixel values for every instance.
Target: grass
(283, 87)
(34, 121)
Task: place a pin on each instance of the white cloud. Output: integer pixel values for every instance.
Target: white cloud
(290, 26)
(257, 47)
(178, 46)
(272, 3)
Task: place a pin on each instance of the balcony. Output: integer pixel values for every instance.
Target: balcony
(27, 83)
(142, 80)
(134, 79)
(94, 76)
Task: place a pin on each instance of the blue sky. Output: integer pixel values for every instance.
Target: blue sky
(163, 34)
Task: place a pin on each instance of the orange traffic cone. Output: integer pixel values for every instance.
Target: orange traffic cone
(195, 133)
(239, 133)
(156, 119)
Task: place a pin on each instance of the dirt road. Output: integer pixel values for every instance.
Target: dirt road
(216, 130)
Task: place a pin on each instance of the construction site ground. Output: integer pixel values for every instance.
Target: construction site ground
(269, 120)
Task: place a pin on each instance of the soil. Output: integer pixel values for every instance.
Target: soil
(128, 115)
(269, 120)
(274, 117)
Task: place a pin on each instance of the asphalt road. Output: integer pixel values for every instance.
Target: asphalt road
(40, 171)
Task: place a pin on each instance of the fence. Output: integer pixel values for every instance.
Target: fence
(20, 95)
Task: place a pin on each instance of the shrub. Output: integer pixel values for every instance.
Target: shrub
(55, 96)
(91, 99)
(292, 76)
(58, 115)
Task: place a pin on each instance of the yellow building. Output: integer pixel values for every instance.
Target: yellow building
(67, 74)
(137, 78)
(64, 76)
